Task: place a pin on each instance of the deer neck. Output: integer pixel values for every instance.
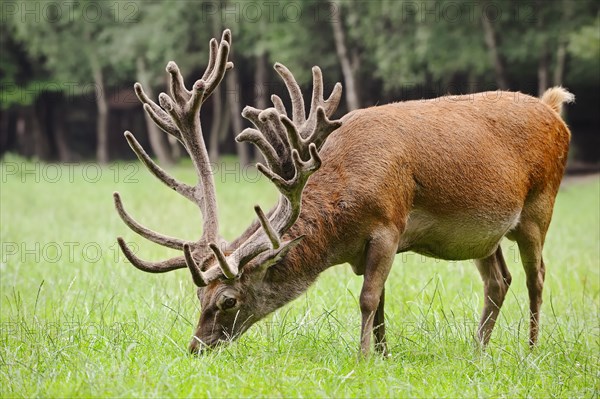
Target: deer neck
(302, 266)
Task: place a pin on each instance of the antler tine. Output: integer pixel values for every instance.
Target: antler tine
(292, 189)
(197, 274)
(333, 101)
(178, 90)
(269, 137)
(317, 94)
(330, 105)
(289, 205)
(220, 65)
(145, 232)
(312, 125)
(214, 48)
(252, 114)
(158, 115)
(182, 188)
(316, 127)
(256, 137)
(266, 225)
(229, 270)
(321, 129)
(278, 104)
(298, 113)
(263, 119)
(212, 57)
(276, 133)
(164, 266)
(201, 278)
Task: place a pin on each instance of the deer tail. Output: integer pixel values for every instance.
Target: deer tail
(556, 96)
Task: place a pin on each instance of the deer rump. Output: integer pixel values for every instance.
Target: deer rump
(454, 174)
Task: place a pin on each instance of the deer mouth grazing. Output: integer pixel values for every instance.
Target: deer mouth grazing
(198, 346)
(212, 333)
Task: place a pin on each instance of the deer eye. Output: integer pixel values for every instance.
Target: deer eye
(229, 303)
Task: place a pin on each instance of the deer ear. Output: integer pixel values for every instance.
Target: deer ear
(277, 255)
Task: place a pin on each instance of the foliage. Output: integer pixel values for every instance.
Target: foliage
(17, 85)
(434, 47)
(584, 47)
(160, 32)
(69, 45)
(398, 42)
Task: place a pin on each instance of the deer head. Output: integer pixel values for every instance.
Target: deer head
(231, 276)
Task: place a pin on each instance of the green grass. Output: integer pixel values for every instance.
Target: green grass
(76, 320)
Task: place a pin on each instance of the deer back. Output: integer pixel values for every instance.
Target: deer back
(474, 158)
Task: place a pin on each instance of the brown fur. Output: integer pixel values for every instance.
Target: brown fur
(448, 178)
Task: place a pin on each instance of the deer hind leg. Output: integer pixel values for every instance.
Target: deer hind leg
(530, 240)
(379, 258)
(496, 281)
(379, 327)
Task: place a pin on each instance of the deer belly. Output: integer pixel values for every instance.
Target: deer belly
(455, 237)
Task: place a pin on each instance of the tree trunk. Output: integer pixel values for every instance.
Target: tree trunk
(225, 124)
(158, 139)
(40, 141)
(561, 57)
(41, 144)
(542, 72)
(561, 52)
(261, 96)
(234, 93)
(355, 68)
(60, 134)
(472, 86)
(261, 85)
(215, 128)
(544, 55)
(175, 148)
(174, 145)
(495, 57)
(23, 144)
(102, 120)
(5, 134)
(339, 36)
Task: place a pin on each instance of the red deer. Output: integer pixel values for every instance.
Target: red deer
(447, 178)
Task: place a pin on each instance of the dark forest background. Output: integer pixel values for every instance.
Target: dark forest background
(67, 68)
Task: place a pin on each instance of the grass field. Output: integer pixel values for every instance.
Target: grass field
(77, 320)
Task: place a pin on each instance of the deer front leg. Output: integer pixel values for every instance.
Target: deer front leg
(379, 258)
